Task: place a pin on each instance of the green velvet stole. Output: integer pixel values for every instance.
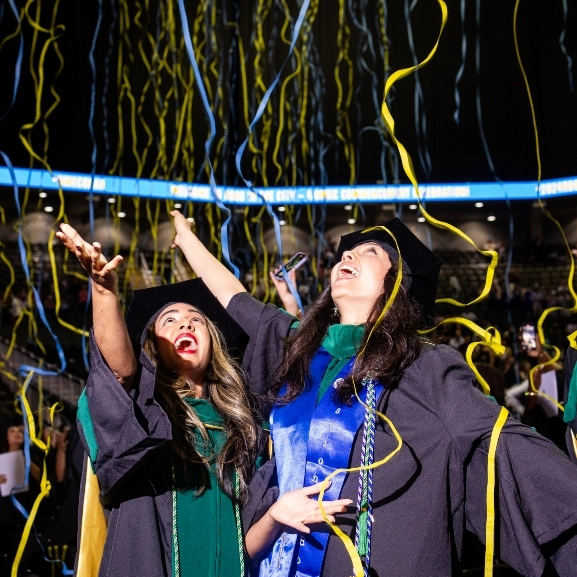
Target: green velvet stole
(341, 342)
(206, 534)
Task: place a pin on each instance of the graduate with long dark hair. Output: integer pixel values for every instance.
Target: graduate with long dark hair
(410, 513)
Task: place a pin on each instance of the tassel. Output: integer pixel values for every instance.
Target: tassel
(363, 533)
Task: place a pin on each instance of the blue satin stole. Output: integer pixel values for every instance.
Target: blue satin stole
(310, 442)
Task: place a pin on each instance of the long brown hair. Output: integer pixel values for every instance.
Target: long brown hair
(224, 386)
(393, 345)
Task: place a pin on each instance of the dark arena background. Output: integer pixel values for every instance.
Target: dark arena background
(263, 121)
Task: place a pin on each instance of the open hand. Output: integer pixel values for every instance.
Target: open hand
(90, 257)
(296, 509)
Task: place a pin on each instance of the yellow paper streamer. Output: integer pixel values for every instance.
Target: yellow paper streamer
(546, 312)
(573, 340)
(44, 482)
(491, 471)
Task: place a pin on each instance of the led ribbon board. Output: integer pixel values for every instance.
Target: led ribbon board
(162, 189)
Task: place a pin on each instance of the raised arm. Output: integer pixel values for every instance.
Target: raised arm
(110, 330)
(219, 280)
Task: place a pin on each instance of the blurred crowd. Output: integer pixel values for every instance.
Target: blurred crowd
(51, 547)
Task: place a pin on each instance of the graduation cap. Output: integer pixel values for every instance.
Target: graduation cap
(421, 266)
(146, 304)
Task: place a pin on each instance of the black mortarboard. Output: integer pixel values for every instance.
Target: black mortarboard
(146, 304)
(423, 265)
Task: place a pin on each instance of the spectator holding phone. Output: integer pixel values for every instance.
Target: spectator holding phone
(534, 409)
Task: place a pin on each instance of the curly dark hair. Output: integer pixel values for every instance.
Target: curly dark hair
(392, 347)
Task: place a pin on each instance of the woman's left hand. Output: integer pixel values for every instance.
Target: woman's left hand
(296, 509)
(182, 228)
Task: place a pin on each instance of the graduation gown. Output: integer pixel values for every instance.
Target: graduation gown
(435, 487)
(126, 436)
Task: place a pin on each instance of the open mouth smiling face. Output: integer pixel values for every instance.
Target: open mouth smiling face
(183, 339)
(360, 275)
(186, 344)
(347, 271)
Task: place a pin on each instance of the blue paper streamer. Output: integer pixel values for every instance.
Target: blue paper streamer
(367, 45)
(208, 143)
(244, 144)
(93, 158)
(478, 88)
(494, 172)
(37, 298)
(107, 58)
(93, 98)
(564, 49)
(19, 58)
(456, 115)
(420, 114)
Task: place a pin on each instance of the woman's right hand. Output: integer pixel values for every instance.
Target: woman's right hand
(91, 258)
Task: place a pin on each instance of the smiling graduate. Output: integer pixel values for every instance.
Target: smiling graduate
(170, 428)
(408, 517)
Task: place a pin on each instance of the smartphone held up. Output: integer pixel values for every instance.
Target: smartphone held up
(528, 337)
(294, 262)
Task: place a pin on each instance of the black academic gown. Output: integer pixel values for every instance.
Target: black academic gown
(131, 431)
(435, 486)
(569, 367)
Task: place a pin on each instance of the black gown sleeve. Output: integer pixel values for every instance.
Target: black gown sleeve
(263, 493)
(122, 429)
(267, 328)
(537, 483)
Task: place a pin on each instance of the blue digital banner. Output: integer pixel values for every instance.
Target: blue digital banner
(113, 185)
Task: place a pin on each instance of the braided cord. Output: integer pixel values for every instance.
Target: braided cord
(365, 488)
(372, 404)
(238, 523)
(176, 559)
(362, 480)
